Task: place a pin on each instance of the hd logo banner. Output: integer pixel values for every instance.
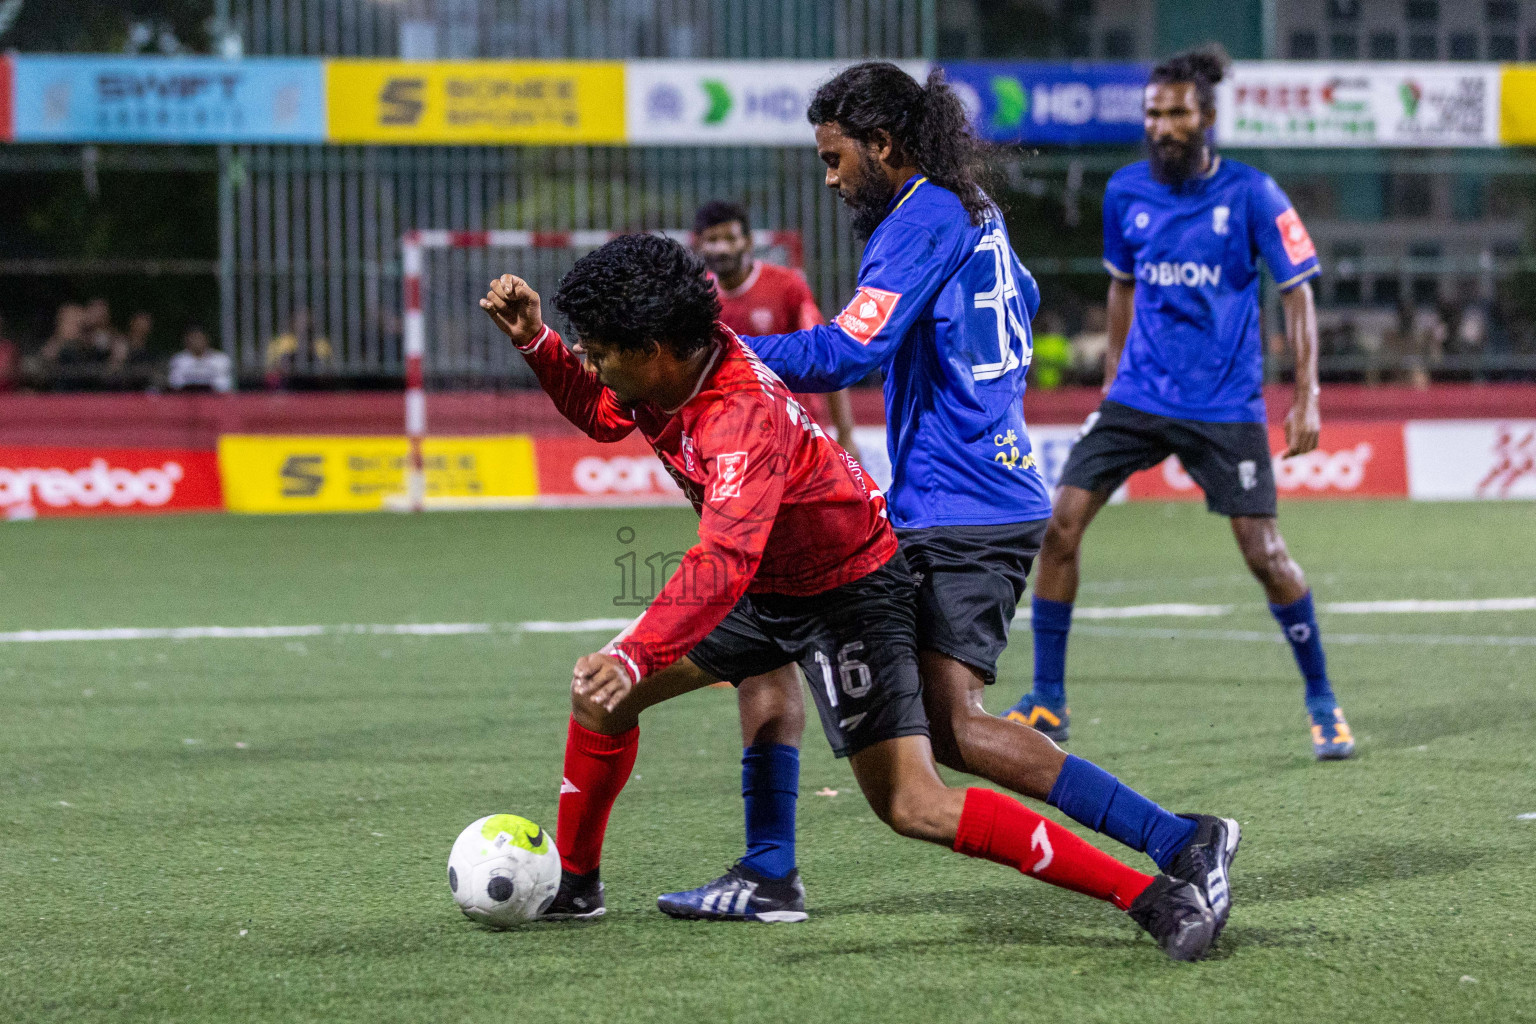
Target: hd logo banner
(167, 99)
(727, 103)
(1058, 104)
(475, 102)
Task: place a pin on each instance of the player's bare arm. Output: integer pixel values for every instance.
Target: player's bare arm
(1119, 308)
(514, 308)
(1304, 423)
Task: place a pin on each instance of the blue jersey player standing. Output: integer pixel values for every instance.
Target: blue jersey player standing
(1183, 233)
(943, 308)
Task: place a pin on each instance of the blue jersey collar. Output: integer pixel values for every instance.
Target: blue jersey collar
(905, 193)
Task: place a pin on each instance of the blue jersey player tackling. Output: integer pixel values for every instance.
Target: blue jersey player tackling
(943, 308)
(1183, 233)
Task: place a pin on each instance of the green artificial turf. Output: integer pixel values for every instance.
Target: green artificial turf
(257, 830)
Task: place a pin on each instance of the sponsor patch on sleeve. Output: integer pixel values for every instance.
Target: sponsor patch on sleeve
(730, 467)
(867, 314)
(1293, 234)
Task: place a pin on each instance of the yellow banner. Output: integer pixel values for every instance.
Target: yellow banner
(1517, 106)
(410, 102)
(358, 474)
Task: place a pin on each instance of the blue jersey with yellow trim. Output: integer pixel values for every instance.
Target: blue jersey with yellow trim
(1194, 348)
(943, 307)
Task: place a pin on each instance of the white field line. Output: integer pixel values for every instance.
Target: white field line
(606, 625)
(1273, 637)
(1141, 611)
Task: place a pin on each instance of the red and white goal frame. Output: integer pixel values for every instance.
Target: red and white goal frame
(413, 246)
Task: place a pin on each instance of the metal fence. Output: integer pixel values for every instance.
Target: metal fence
(309, 235)
(587, 29)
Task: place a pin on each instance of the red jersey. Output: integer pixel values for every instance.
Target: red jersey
(773, 300)
(782, 508)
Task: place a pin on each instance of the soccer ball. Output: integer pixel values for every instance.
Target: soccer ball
(503, 870)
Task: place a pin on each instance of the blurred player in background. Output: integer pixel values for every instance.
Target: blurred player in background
(796, 562)
(943, 308)
(1183, 233)
(758, 297)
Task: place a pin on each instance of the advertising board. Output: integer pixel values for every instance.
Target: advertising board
(167, 99)
(57, 481)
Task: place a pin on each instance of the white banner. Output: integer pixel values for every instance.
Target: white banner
(1471, 459)
(1283, 103)
(725, 102)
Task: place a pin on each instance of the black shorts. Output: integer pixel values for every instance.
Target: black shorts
(854, 644)
(1230, 461)
(969, 582)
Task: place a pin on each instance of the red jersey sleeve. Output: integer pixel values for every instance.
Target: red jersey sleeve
(808, 314)
(744, 449)
(576, 391)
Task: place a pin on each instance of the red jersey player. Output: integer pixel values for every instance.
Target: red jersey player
(757, 297)
(796, 562)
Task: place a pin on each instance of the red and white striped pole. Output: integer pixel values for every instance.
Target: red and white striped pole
(415, 393)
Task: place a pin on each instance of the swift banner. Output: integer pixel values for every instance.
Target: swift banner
(51, 481)
(1318, 104)
(727, 103)
(358, 474)
(1062, 104)
(509, 102)
(167, 99)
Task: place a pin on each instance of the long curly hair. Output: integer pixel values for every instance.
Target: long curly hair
(1204, 67)
(639, 289)
(927, 122)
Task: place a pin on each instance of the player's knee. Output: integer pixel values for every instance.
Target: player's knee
(1063, 537)
(915, 812)
(1268, 558)
(593, 716)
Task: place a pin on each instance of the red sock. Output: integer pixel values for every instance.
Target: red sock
(596, 768)
(1003, 830)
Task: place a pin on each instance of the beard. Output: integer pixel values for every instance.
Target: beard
(868, 201)
(1173, 162)
(724, 265)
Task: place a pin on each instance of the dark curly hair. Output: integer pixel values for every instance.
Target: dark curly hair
(927, 122)
(721, 211)
(639, 289)
(1205, 67)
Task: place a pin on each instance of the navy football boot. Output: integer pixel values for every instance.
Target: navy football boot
(740, 894)
(1206, 862)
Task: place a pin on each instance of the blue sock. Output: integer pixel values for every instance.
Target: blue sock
(1298, 621)
(770, 784)
(1050, 620)
(1089, 794)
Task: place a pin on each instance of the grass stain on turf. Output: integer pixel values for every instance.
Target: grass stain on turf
(301, 877)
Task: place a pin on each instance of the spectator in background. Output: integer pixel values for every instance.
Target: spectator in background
(200, 367)
(10, 361)
(131, 362)
(297, 349)
(66, 351)
(100, 336)
(1053, 352)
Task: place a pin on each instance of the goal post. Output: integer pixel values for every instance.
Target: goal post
(415, 245)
